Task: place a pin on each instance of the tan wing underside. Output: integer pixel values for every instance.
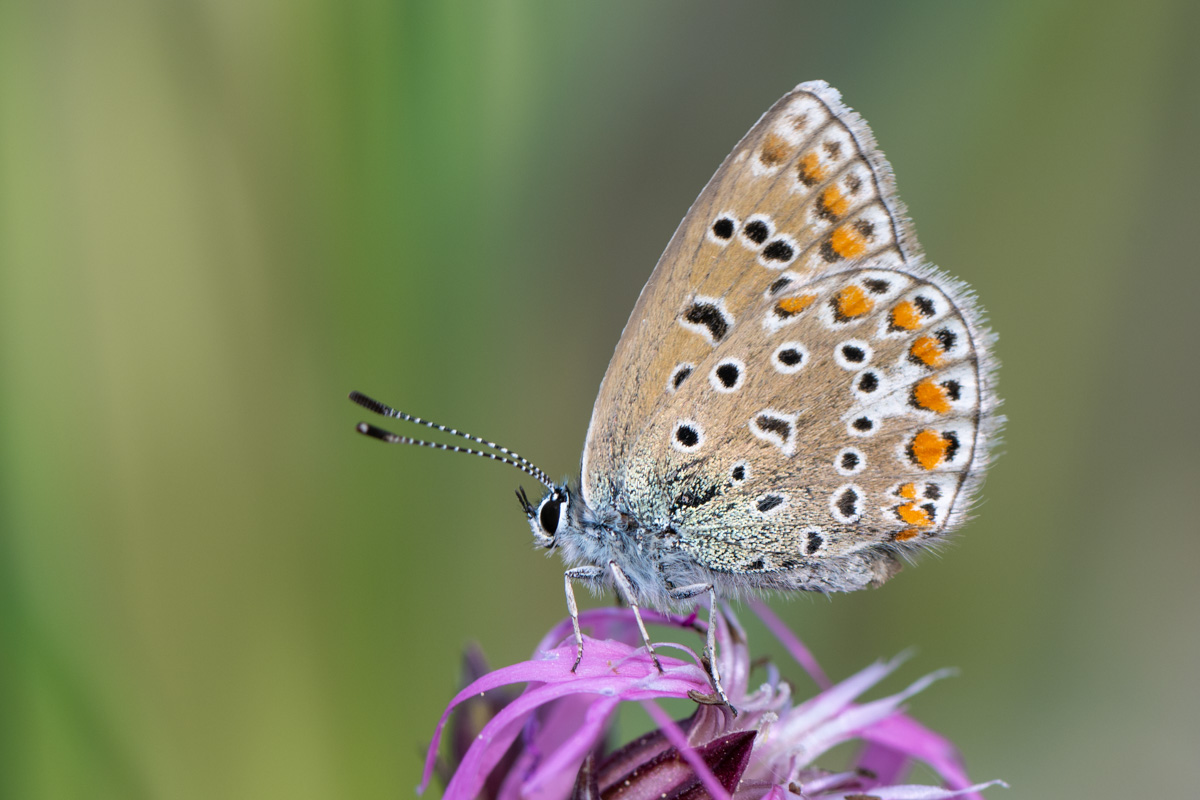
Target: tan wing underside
(902, 402)
(810, 166)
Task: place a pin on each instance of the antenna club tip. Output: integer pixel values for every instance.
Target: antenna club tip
(362, 427)
(371, 404)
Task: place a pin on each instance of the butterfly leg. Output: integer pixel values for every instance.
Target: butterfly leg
(626, 590)
(581, 574)
(710, 644)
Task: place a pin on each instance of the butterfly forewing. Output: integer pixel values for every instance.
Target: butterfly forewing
(792, 383)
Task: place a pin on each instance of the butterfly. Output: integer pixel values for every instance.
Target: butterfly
(797, 401)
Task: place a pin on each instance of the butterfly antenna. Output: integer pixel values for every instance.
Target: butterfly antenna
(509, 457)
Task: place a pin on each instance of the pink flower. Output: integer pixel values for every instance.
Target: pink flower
(547, 742)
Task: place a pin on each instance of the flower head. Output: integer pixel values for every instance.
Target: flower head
(548, 741)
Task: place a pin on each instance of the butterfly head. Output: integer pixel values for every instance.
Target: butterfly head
(550, 516)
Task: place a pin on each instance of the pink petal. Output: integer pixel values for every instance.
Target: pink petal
(608, 669)
(500, 731)
(833, 701)
(793, 644)
(565, 760)
(886, 764)
(552, 724)
(914, 792)
(903, 734)
(855, 719)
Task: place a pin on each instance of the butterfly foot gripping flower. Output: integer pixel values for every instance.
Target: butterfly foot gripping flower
(550, 741)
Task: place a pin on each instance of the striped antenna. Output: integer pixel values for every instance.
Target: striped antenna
(509, 457)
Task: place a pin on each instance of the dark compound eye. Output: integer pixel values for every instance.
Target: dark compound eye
(550, 514)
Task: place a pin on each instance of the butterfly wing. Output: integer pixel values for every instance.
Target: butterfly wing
(781, 259)
(802, 178)
(852, 424)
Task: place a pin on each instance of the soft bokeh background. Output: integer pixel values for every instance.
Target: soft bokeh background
(218, 217)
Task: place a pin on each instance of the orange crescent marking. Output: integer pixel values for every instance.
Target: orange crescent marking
(931, 396)
(794, 305)
(853, 302)
(928, 350)
(810, 170)
(913, 514)
(906, 317)
(834, 202)
(929, 448)
(848, 242)
(774, 151)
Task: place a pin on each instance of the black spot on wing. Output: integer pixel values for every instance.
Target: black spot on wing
(728, 374)
(769, 501)
(847, 502)
(710, 317)
(771, 424)
(779, 284)
(687, 436)
(756, 231)
(778, 250)
(789, 356)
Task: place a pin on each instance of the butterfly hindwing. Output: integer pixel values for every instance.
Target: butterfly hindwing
(826, 436)
(789, 307)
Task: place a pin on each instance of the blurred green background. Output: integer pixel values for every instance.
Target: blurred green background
(218, 217)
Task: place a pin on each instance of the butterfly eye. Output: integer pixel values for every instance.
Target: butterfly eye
(551, 513)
